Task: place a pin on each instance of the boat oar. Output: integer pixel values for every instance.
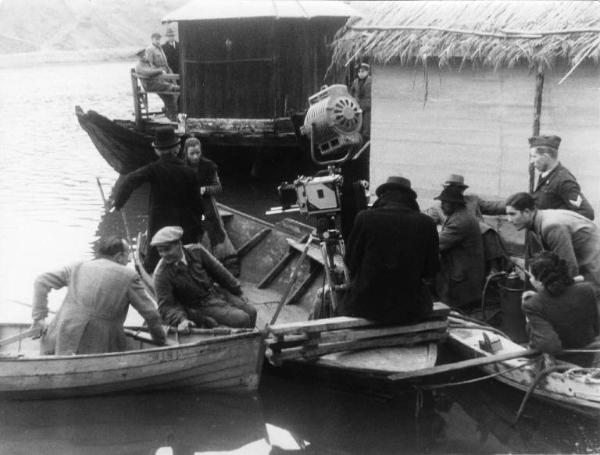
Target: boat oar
(19, 336)
(462, 365)
(293, 278)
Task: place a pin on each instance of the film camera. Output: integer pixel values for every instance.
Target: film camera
(332, 123)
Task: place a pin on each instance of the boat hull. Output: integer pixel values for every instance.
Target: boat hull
(576, 389)
(230, 363)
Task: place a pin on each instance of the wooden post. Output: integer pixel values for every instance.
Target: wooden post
(537, 113)
(136, 99)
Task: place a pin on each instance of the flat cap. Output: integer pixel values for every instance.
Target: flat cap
(167, 234)
(544, 141)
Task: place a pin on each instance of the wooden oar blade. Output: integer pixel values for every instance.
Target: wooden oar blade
(462, 365)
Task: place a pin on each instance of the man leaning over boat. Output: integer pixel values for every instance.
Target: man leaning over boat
(193, 288)
(91, 318)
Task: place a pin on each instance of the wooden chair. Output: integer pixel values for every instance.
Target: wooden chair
(140, 97)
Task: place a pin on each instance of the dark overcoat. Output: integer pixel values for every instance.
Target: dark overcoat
(172, 53)
(560, 190)
(391, 250)
(461, 249)
(174, 196)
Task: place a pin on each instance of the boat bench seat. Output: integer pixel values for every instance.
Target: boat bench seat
(311, 339)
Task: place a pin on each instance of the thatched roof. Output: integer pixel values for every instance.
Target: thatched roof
(489, 33)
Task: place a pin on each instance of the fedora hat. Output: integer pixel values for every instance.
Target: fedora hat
(170, 32)
(395, 182)
(451, 194)
(165, 138)
(456, 180)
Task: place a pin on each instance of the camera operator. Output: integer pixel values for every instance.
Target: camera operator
(391, 254)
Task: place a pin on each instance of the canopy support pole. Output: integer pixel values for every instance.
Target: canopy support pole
(537, 113)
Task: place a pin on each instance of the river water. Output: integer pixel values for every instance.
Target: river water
(52, 213)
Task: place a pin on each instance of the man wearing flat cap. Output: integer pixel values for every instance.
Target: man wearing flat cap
(460, 281)
(185, 279)
(174, 195)
(392, 256)
(556, 187)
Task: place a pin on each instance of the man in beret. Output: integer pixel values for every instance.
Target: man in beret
(460, 281)
(392, 257)
(184, 281)
(556, 187)
(570, 235)
(90, 319)
(174, 195)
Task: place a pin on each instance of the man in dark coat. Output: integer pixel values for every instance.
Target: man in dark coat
(556, 188)
(391, 254)
(460, 281)
(174, 195)
(171, 50)
(361, 90)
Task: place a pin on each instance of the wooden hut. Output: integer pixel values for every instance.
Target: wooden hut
(247, 65)
(459, 86)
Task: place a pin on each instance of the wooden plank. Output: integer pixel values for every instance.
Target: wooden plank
(253, 241)
(301, 289)
(343, 322)
(314, 252)
(464, 364)
(349, 335)
(398, 340)
(276, 269)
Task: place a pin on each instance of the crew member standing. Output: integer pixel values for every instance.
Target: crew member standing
(392, 257)
(171, 50)
(556, 188)
(460, 281)
(174, 195)
(361, 90)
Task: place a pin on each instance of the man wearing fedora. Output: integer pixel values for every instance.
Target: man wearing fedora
(174, 195)
(171, 50)
(556, 187)
(460, 281)
(392, 256)
(494, 250)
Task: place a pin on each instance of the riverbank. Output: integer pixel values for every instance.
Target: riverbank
(24, 59)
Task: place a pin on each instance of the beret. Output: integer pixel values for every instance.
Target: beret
(167, 234)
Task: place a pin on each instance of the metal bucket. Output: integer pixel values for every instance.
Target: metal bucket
(513, 319)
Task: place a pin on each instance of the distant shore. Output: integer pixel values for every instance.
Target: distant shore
(53, 57)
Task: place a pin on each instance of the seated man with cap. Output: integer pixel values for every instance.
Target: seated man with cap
(556, 187)
(460, 281)
(494, 251)
(392, 256)
(193, 288)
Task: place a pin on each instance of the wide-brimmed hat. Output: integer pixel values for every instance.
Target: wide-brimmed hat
(456, 180)
(545, 141)
(170, 32)
(165, 138)
(168, 234)
(395, 183)
(451, 194)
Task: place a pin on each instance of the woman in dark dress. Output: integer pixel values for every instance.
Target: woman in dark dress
(560, 313)
(210, 185)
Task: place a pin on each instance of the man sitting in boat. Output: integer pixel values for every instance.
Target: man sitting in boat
(561, 314)
(494, 251)
(152, 80)
(569, 234)
(391, 253)
(460, 281)
(185, 284)
(91, 317)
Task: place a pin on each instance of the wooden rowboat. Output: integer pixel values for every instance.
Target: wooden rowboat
(269, 254)
(572, 387)
(205, 361)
